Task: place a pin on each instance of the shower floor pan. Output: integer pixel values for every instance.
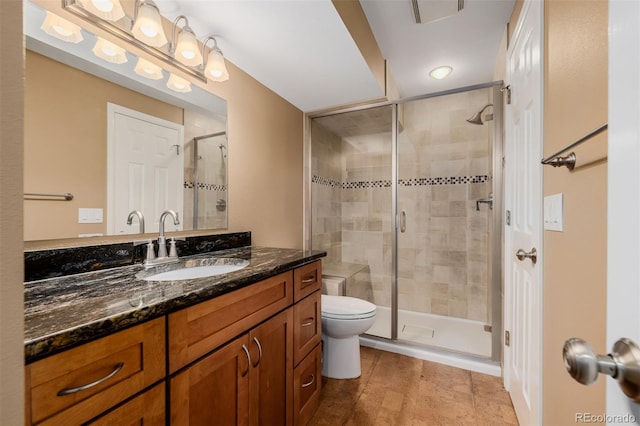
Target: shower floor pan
(456, 334)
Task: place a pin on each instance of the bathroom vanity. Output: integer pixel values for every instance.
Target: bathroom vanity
(109, 347)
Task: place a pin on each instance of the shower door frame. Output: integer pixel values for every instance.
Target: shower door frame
(497, 159)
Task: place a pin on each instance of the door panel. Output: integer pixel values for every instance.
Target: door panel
(523, 198)
(623, 274)
(215, 389)
(272, 371)
(145, 170)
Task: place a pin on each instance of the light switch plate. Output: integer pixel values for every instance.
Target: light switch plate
(89, 215)
(554, 212)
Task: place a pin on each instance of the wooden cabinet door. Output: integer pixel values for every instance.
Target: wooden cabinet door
(145, 409)
(271, 399)
(307, 326)
(214, 390)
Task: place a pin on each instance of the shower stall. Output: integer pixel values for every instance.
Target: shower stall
(206, 176)
(405, 200)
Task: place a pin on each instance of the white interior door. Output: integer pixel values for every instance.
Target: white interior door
(623, 258)
(523, 230)
(145, 169)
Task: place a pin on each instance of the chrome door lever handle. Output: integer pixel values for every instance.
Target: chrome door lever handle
(522, 255)
(623, 364)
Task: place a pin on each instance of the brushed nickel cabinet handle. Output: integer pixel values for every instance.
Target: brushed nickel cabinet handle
(309, 383)
(257, 342)
(246, 352)
(69, 391)
(308, 280)
(307, 322)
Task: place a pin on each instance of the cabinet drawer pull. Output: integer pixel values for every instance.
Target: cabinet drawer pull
(69, 391)
(246, 352)
(311, 279)
(309, 383)
(255, 339)
(307, 322)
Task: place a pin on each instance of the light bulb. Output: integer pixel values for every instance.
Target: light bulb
(441, 72)
(61, 29)
(178, 84)
(148, 69)
(148, 25)
(216, 70)
(187, 50)
(109, 52)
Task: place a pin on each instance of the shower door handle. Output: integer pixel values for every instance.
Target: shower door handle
(403, 221)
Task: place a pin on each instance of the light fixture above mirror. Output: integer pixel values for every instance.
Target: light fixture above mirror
(145, 31)
(185, 49)
(215, 69)
(111, 10)
(147, 24)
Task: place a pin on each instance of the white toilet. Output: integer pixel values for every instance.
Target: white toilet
(343, 319)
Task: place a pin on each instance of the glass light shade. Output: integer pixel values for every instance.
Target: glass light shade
(111, 10)
(61, 29)
(216, 70)
(109, 52)
(178, 84)
(440, 72)
(148, 26)
(148, 69)
(187, 50)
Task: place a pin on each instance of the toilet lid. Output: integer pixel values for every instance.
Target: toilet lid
(344, 307)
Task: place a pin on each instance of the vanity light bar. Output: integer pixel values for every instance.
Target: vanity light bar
(116, 29)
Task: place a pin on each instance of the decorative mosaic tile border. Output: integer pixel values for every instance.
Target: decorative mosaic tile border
(206, 186)
(459, 180)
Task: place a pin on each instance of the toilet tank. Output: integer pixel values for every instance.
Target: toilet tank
(334, 286)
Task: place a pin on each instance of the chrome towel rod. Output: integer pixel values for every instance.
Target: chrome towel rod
(64, 197)
(570, 160)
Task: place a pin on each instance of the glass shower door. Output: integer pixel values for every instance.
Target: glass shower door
(351, 194)
(444, 164)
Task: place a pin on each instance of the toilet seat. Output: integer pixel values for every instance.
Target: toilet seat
(346, 308)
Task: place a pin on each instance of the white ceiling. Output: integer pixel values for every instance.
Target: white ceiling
(301, 49)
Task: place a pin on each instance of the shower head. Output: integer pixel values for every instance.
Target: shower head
(477, 117)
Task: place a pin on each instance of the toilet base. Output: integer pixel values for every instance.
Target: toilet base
(341, 357)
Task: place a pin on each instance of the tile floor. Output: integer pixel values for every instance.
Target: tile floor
(399, 390)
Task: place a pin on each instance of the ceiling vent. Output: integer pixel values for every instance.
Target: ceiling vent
(425, 11)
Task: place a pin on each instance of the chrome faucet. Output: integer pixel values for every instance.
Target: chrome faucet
(162, 241)
(140, 219)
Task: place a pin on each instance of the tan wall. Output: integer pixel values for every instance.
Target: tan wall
(11, 258)
(356, 22)
(574, 271)
(265, 157)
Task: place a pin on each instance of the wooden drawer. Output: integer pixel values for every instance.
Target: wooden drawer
(307, 382)
(306, 280)
(195, 331)
(307, 326)
(109, 369)
(145, 409)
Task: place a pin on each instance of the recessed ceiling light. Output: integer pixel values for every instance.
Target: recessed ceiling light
(441, 72)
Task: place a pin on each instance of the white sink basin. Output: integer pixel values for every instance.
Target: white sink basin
(222, 266)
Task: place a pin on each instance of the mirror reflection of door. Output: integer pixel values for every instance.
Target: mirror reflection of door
(145, 169)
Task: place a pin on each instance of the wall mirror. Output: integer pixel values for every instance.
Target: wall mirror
(79, 181)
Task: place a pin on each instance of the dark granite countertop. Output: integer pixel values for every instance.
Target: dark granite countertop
(67, 311)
